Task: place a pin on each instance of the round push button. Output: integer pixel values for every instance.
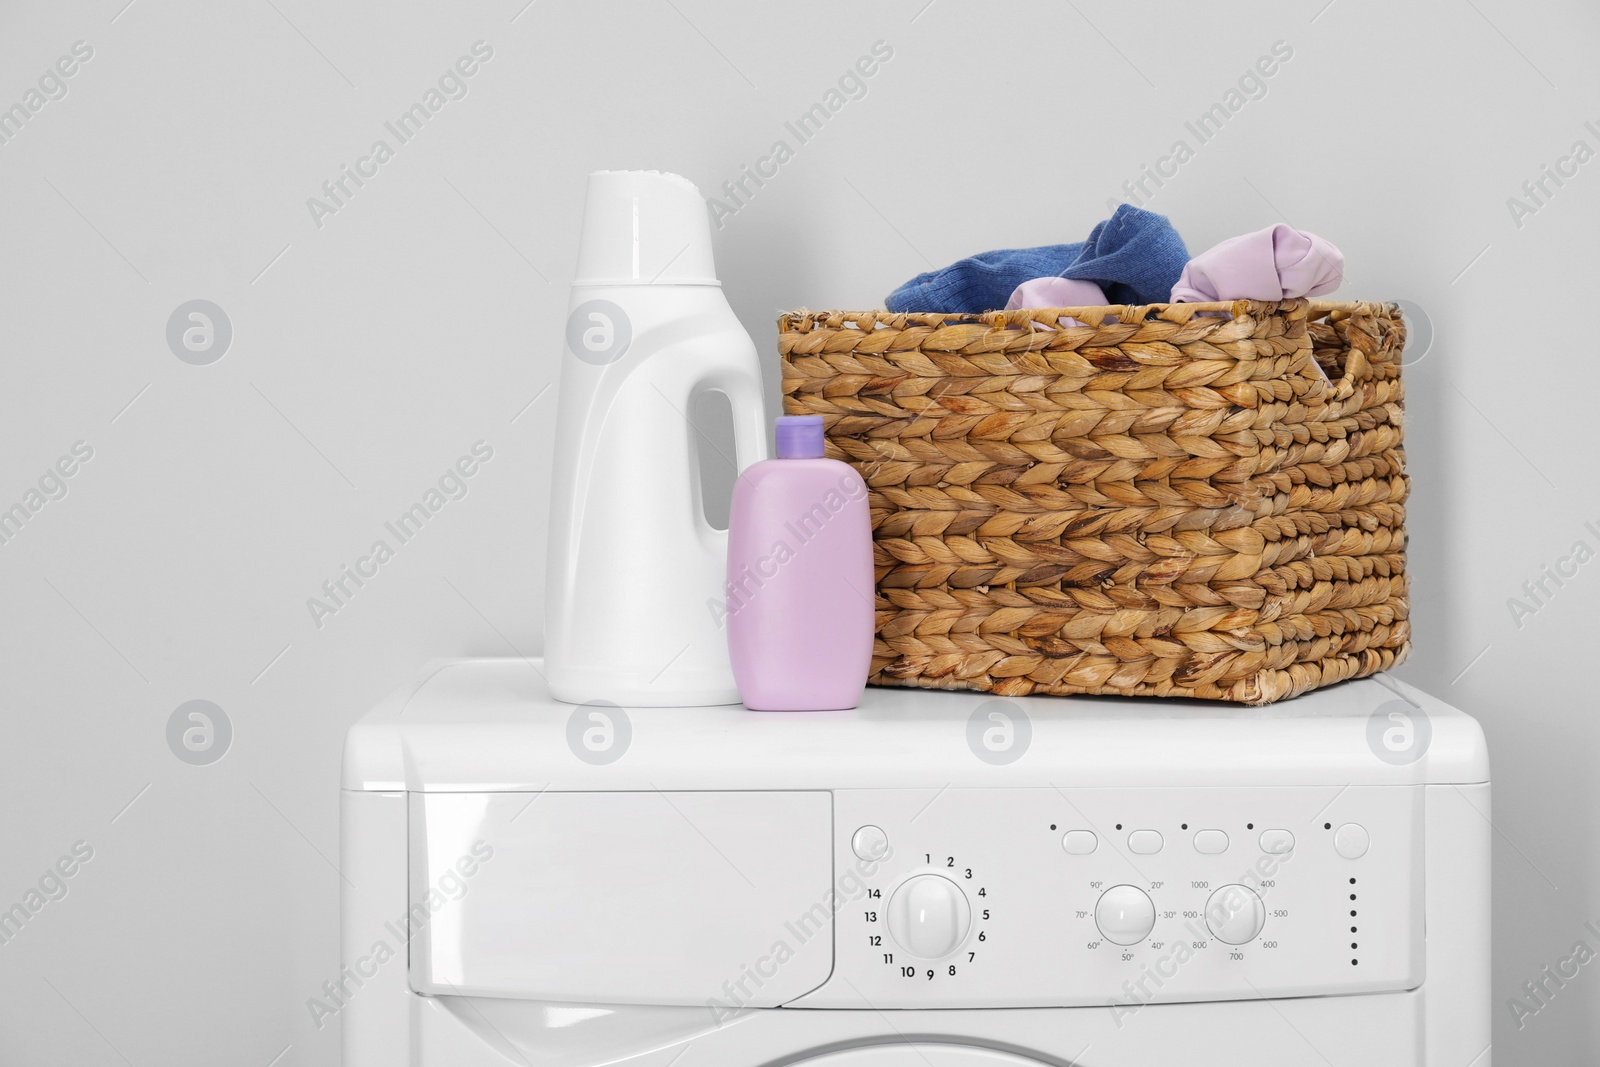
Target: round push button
(1210, 842)
(1351, 841)
(869, 843)
(1144, 842)
(1079, 842)
(1277, 842)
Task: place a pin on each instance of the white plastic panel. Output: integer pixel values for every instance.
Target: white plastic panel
(682, 898)
(1378, 1030)
(374, 1018)
(1331, 925)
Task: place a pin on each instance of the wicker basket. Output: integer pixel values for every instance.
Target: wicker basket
(1170, 500)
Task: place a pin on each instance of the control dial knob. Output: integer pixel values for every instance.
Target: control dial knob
(1235, 914)
(1125, 915)
(929, 916)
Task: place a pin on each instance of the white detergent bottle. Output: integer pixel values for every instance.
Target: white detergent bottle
(635, 574)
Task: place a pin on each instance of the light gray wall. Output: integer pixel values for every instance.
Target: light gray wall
(369, 352)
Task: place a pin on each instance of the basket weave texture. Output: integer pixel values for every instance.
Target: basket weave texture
(1170, 500)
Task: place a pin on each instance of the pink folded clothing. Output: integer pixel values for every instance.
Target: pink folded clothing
(1276, 263)
(1055, 292)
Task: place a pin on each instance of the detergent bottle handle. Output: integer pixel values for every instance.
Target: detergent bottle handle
(734, 371)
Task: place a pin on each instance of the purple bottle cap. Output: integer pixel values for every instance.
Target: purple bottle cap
(799, 436)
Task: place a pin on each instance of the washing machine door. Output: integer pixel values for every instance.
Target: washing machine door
(917, 1054)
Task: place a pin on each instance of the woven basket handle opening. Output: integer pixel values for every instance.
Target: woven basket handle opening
(1365, 333)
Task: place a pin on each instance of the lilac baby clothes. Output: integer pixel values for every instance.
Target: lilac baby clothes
(1056, 292)
(1276, 263)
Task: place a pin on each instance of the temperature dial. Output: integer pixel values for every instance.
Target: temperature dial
(1125, 915)
(1235, 914)
(929, 916)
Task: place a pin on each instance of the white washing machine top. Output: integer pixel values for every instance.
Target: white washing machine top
(492, 725)
(1161, 880)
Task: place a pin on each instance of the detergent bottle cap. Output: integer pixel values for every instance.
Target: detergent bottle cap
(644, 227)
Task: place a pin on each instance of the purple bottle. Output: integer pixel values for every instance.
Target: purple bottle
(800, 583)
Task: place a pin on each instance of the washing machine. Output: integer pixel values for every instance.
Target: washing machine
(933, 879)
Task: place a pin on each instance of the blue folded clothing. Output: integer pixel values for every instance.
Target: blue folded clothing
(1135, 256)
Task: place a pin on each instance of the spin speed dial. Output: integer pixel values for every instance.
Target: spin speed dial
(1235, 914)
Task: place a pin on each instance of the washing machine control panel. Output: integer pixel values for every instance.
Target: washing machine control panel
(1122, 897)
